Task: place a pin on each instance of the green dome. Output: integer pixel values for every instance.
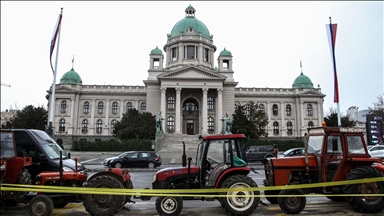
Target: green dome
(156, 51)
(225, 53)
(190, 20)
(302, 81)
(71, 77)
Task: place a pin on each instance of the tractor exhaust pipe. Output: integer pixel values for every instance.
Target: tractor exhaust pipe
(184, 157)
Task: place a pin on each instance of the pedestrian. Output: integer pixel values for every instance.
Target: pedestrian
(275, 150)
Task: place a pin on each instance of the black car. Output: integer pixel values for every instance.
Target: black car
(259, 153)
(137, 159)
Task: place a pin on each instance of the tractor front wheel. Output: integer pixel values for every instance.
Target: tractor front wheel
(292, 204)
(243, 204)
(104, 204)
(40, 205)
(365, 204)
(169, 206)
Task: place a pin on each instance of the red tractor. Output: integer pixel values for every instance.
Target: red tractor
(331, 154)
(13, 171)
(219, 164)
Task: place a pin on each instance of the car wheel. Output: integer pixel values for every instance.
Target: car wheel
(151, 165)
(118, 165)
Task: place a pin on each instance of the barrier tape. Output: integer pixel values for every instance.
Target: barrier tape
(188, 192)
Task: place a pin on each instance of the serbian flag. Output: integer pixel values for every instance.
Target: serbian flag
(54, 37)
(331, 31)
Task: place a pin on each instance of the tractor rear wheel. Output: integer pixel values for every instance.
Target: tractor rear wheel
(292, 204)
(59, 202)
(25, 179)
(365, 204)
(169, 206)
(104, 204)
(40, 205)
(245, 203)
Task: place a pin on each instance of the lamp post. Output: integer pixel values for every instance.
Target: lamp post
(222, 119)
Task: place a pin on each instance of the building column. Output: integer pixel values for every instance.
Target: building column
(71, 126)
(219, 110)
(178, 110)
(163, 107)
(180, 54)
(282, 118)
(319, 114)
(93, 106)
(269, 117)
(121, 109)
(137, 105)
(204, 112)
(301, 116)
(107, 116)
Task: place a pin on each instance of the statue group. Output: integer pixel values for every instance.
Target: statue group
(228, 127)
(159, 124)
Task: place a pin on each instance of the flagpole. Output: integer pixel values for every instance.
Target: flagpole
(52, 107)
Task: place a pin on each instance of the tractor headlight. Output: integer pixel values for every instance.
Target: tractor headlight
(154, 178)
(67, 169)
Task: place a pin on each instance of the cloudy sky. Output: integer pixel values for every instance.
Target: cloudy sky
(111, 42)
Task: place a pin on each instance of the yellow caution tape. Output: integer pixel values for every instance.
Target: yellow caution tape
(187, 192)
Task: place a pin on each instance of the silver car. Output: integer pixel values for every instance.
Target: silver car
(376, 151)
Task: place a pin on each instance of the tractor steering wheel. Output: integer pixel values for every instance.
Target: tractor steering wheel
(211, 161)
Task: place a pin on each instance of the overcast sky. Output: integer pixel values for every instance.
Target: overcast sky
(111, 42)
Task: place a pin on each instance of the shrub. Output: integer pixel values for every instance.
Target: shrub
(282, 145)
(113, 145)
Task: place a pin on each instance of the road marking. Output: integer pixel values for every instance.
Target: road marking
(173, 160)
(89, 160)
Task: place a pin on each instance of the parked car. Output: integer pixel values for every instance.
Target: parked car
(108, 160)
(376, 151)
(136, 159)
(259, 153)
(292, 152)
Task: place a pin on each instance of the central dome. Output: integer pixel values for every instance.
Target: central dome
(190, 21)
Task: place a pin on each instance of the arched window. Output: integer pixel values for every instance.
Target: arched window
(288, 110)
(129, 106)
(275, 128)
(143, 107)
(86, 107)
(211, 125)
(115, 108)
(63, 107)
(100, 108)
(171, 102)
(309, 110)
(113, 124)
(190, 106)
(275, 110)
(99, 126)
(310, 124)
(62, 125)
(170, 124)
(210, 103)
(84, 127)
(261, 107)
(246, 109)
(289, 128)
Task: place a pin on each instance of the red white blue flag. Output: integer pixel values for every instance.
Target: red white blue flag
(331, 31)
(54, 37)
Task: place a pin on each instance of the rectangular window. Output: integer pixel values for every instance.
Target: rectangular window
(190, 52)
(174, 54)
(206, 55)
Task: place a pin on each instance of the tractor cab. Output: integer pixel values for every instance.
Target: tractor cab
(216, 154)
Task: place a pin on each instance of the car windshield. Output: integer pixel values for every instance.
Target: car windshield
(53, 151)
(43, 136)
(123, 155)
(287, 152)
(315, 144)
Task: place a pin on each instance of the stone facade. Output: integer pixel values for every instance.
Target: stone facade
(191, 93)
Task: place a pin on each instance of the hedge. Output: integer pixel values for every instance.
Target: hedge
(113, 145)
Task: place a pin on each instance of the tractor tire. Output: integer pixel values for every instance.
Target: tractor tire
(169, 206)
(59, 202)
(40, 205)
(336, 198)
(369, 204)
(292, 204)
(128, 185)
(239, 205)
(273, 200)
(24, 178)
(103, 204)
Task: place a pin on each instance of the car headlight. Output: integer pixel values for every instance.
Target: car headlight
(154, 178)
(67, 169)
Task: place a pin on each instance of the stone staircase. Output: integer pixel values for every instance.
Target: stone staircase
(173, 144)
